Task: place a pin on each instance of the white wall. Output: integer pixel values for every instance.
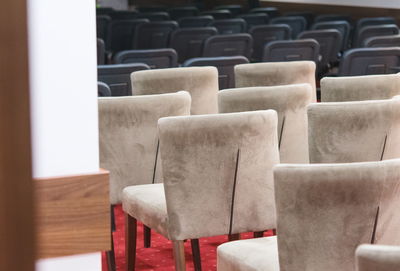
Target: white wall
(361, 3)
(62, 45)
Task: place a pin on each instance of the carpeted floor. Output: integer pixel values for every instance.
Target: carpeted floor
(159, 256)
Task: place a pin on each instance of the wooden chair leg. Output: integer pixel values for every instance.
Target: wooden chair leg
(111, 256)
(258, 234)
(146, 236)
(234, 237)
(130, 242)
(196, 254)
(179, 256)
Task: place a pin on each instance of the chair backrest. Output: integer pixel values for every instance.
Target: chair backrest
(230, 26)
(360, 88)
(102, 25)
(325, 211)
(342, 26)
(361, 23)
(117, 77)
(377, 257)
(129, 138)
(101, 52)
(253, 19)
(181, 12)
(289, 101)
(297, 23)
(154, 35)
(275, 74)
(104, 10)
(272, 12)
(189, 42)
(155, 58)
(154, 16)
(234, 9)
(359, 131)
(121, 34)
(291, 50)
(197, 21)
(228, 45)
(365, 61)
(383, 41)
(218, 14)
(219, 166)
(152, 8)
(103, 90)
(264, 34)
(200, 82)
(123, 15)
(374, 31)
(307, 15)
(332, 17)
(330, 43)
(224, 64)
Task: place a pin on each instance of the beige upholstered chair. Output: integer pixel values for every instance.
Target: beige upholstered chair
(129, 138)
(200, 82)
(216, 168)
(289, 101)
(378, 258)
(360, 88)
(276, 73)
(324, 211)
(354, 131)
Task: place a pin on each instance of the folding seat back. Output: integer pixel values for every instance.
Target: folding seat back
(264, 34)
(153, 8)
(103, 90)
(297, 24)
(365, 61)
(154, 35)
(101, 52)
(220, 14)
(102, 26)
(383, 41)
(374, 31)
(224, 64)
(378, 257)
(374, 21)
(117, 77)
(253, 19)
(154, 58)
(189, 42)
(272, 12)
(289, 101)
(234, 9)
(154, 16)
(228, 45)
(342, 26)
(197, 21)
(181, 12)
(123, 15)
(129, 143)
(291, 50)
(121, 34)
(309, 16)
(230, 26)
(332, 18)
(104, 11)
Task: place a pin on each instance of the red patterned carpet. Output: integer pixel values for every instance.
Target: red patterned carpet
(159, 256)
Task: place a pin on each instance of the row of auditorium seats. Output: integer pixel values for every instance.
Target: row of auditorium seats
(270, 118)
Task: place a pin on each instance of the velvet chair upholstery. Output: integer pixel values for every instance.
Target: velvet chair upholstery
(216, 168)
(360, 88)
(354, 131)
(200, 82)
(324, 211)
(289, 101)
(276, 73)
(378, 258)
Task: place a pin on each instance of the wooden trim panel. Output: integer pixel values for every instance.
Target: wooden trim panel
(72, 214)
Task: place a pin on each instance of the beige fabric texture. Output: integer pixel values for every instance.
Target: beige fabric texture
(289, 101)
(200, 82)
(324, 211)
(354, 131)
(378, 258)
(360, 88)
(199, 156)
(276, 73)
(128, 136)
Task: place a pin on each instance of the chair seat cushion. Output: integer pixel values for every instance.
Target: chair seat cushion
(250, 255)
(147, 204)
